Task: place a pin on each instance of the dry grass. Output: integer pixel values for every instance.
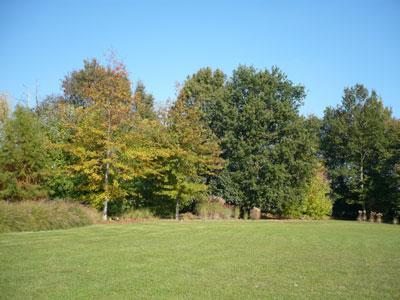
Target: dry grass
(44, 215)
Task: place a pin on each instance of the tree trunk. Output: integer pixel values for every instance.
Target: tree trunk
(107, 171)
(177, 209)
(105, 210)
(362, 182)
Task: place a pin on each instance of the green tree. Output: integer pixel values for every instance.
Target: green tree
(54, 114)
(206, 91)
(354, 142)
(193, 155)
(23, 157)
(269, 150)
(143, 102)
(384, 186)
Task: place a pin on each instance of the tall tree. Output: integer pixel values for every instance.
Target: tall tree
(384, 185)
(194, 155)
(103, 119)
(54, 114)
(23, 157)
(77, 84)
(206, 91)
(269, 150)
(354, 141)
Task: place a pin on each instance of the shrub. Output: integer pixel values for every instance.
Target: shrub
(44, 215)
(294, 210)
(316, 203)
(213, 209)
(137, 214)
(188, 216)
(235, 212)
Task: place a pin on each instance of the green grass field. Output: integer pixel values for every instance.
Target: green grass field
(198, 260)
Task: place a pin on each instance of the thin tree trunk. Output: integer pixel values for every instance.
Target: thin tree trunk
(362, 182)
(177, 209)
(107, 171)
(105, 209)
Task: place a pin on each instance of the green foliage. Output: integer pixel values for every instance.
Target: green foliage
(143, 102)
(384, 195)
(193, 154)
(101, 132)
(239, 137)
(137, 214)
(358, 145)
(54, 114)
(206, 90)
(317, 204)
(269, 151)
(23, 157)
(44, 215)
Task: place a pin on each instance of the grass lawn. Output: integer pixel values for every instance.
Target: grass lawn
(197, 260)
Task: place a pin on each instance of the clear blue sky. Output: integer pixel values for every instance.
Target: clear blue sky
(325, 45)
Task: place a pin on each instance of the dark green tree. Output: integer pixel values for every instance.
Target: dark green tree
(384, 188)
(206, 90)
(270, 153)
(355, 143)
(143, 102)
(23, 157)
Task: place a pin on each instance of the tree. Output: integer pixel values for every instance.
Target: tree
(78, 84)
(194, 154)
(269, 150)
(206, 91)
(354, 142)
(183, 153)
(54, 115)
(143, 102)
(23, 157)
(384, 188)
(119, 147)
(392, 169)
(101, 130)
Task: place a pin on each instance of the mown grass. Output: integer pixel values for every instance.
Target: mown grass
(204, 260)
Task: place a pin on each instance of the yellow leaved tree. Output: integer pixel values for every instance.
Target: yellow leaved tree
(104, 145)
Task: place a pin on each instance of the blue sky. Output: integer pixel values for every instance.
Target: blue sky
(325, 45)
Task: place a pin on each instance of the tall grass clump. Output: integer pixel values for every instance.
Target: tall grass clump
(137, 214)
(44, 215)
(213, 208)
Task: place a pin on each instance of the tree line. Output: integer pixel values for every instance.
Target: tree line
(239, 137)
